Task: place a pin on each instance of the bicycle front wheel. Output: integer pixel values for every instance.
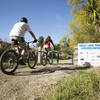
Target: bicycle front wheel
(9, 62)
(44, 59)
(31, 60)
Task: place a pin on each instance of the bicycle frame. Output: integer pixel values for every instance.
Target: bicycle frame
(19, 50)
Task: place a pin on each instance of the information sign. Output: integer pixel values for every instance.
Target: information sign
(89, 53)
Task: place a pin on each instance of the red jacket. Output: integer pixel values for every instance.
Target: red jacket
(48, 42)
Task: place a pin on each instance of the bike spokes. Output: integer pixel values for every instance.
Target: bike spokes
(9, 62)
(32, 60)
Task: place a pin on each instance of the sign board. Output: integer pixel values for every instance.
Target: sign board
(90, 53)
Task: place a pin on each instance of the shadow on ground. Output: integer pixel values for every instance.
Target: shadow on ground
(47, 70)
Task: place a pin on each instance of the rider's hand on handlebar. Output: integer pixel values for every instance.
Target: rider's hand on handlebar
(54, 48)
(35, 41)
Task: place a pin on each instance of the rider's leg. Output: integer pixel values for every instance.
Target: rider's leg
(22, 45)
(48, 50)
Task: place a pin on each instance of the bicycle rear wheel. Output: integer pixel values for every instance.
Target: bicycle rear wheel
(9, 62)
(31, 60)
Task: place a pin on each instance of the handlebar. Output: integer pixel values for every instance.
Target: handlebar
(31, 42)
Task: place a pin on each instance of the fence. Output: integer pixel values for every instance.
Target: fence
(57, 57)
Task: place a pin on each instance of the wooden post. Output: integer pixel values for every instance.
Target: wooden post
(76, 56)
(39, 55)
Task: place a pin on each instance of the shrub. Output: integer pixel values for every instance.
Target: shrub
(3, 46)
(86, 86)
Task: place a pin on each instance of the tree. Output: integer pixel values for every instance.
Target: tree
(84, 25)
(76, 5)
(65, 39)
(64, 42)
(91, 9)
(93, 13)
(40, 41)
(58, 47)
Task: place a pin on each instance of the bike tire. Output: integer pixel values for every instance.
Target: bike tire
(31, 60)
(44, 59)
(9, 62)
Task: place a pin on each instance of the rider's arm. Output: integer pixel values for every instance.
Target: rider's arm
(32, 34)
(29, 30)
(52, 43)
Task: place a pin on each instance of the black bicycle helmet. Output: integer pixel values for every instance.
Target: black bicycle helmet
(49, 37)
(23, 19)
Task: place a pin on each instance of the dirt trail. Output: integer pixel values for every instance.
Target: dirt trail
(28, 84)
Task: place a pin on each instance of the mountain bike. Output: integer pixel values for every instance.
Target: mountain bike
(10, 59)
(45, 58)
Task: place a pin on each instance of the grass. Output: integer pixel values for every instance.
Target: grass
(85, 86)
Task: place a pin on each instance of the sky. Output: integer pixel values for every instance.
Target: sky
(45, 17)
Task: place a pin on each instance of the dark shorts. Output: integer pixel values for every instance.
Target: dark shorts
(19, 41)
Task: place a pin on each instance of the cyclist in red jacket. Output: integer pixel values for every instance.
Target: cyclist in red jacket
(46, 45)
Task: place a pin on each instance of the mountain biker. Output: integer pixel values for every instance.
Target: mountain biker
(46, 45)
(18, 31)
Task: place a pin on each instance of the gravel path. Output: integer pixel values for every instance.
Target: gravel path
(32, 84)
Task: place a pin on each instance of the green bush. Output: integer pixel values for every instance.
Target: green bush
(85, 86)
(4, 46)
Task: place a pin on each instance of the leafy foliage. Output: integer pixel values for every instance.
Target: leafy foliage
(84, 27)
(4, 46)
(64, 41)
(40, 41)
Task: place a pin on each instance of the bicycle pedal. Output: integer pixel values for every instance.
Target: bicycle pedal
(22, 62)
